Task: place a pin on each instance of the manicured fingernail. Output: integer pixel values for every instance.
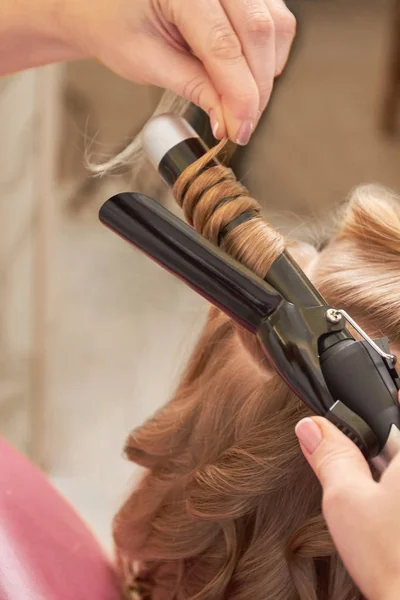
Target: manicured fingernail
(214, 124)
(309, 434)
(244, 133)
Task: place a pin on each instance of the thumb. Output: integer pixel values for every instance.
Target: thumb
(336, 461)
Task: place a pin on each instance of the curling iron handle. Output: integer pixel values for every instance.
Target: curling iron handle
(389, 451)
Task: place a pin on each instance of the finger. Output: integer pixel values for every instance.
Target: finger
(337, 462)
(350, 496)
(254, 26)
(185, 75)
(209, 33)
(342, 471)
(285, 31)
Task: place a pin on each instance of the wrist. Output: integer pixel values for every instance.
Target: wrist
(32, 34)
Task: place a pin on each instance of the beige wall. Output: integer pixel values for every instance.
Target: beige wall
(17, 127)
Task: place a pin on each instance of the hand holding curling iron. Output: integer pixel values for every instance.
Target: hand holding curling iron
(362, 515)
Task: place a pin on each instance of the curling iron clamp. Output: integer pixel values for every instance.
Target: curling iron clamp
(352, 383)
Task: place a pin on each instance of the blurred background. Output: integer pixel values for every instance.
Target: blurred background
(93, 335)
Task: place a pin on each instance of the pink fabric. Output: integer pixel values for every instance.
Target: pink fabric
(46, 551)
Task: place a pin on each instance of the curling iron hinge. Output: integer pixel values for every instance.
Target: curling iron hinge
(335, 316)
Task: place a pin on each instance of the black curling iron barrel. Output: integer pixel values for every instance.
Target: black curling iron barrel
(180, 249)
(352, 383)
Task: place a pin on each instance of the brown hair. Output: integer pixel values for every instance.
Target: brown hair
(228, 507)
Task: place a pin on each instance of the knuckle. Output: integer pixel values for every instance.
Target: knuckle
(334, 472)
(285, 24)
(247, 96)
(333, 457)
(333, 498)
(225, 43)
(193, 89)
(332, 460)
(260, 26)
(246, 102)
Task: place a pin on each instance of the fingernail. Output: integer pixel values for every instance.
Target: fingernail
(214, 124)
(309, 434)
(244, 133)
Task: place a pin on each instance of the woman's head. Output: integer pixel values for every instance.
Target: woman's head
(228, 507)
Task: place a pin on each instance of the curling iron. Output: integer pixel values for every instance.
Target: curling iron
(352, 383)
